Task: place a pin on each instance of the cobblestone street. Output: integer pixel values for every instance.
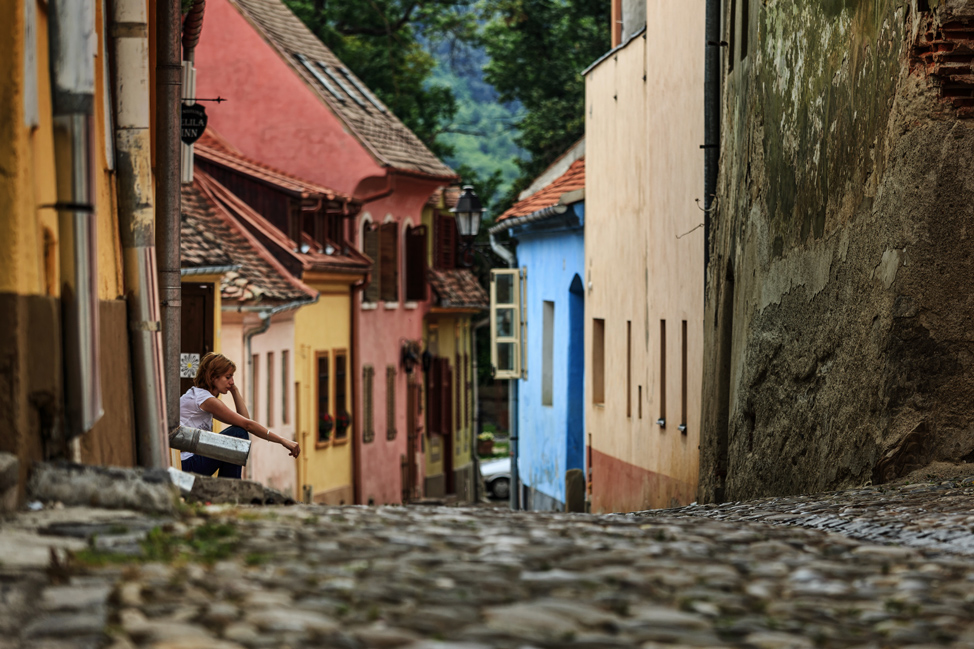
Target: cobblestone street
(760, 574)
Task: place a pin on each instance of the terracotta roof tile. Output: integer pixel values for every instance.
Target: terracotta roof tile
(458, 288)
(387, 137)
(217, 152)
(573, 179)
(210, 236)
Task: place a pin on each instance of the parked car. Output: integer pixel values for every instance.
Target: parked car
(497, 477)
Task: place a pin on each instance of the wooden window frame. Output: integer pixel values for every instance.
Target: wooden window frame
(370, 246)
(389, 262)
(340, 400)
(368, 404)
(547, 353)
(270, 389)
(285, 386)
(518, 323)
(319, 355)
(415, 289)
(598, 361)
(391, 374)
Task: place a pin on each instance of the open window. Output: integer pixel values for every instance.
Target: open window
(506, 323)
(416, 264)
(389, 262)
(370, 246)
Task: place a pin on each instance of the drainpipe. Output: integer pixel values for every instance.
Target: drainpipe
(72, 48)
(476, 404)
(512, 393)
(136, 215)
(356, 425)
(168, 84)
(711, 120)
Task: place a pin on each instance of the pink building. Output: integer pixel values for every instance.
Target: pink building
(294, 106)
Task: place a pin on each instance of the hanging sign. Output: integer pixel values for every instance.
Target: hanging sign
(193, 123)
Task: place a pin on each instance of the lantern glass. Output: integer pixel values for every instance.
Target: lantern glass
(468, 212)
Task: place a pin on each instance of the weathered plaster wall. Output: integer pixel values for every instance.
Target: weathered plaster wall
(838, 338)
(552, 261)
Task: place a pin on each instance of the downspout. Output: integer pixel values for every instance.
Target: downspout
(476, 405)
(711, 120)
(265, 324)
(136, 214)
(168, 84)
(356, 425)
(512, 393)
(72, 48)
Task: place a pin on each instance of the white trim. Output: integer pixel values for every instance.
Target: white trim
(369, 306)
(411, 305)
(390, 306)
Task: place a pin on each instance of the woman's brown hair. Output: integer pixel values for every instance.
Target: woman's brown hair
(211, 368)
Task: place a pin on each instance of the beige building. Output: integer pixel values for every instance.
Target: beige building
(644, 259)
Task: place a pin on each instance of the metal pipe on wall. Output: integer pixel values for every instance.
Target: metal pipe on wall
(136, 214)
(72, 47)
(168, 89)
(711, 120)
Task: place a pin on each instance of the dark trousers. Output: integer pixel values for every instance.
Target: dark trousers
(209, 466)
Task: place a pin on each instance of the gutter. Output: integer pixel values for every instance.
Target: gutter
(538, 215)
(208, 270)
(641, 32)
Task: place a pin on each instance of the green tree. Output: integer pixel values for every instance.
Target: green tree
(537, 51)
(384, 43)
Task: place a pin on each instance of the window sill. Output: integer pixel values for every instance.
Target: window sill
(410, 305)
(370, 306)
(341, 441)
(390, 306)
(319, 444)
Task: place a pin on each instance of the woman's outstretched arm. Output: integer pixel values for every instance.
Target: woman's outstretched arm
(221, 412)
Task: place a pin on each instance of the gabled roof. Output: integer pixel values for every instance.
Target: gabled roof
(572, 180)
(386, 138)
(212, 148)
(457, 289)
(211, 237)
(344, 259)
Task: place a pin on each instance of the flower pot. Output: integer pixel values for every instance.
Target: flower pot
(485, 447)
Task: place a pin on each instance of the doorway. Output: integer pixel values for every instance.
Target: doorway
(196, 330)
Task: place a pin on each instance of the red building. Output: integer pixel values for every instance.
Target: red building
(294, 106)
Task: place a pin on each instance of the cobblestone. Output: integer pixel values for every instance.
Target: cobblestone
(767, 574)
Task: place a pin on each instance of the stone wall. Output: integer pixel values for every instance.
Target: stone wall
(838, 324)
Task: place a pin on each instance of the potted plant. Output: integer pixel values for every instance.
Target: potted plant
(325, 426)
(485, 443)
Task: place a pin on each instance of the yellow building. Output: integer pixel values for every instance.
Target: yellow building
(64, 355)
(644, 260)
(449, 437)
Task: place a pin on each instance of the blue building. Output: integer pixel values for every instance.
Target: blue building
(547, 234)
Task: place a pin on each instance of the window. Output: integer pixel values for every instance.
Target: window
(368, 404)
(505, 323)
(445, 251)
(390, 402)
(323, 416)
(416, 264)
(285, 384)
(254, 394)
(598, 361)
(342, 419)
(628, 368)
(389, 262)
(270, 389)
(683, 382)
(370, 246)
(662, 373)
(547, 352)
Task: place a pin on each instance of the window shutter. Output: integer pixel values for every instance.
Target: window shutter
(446, 242)
(416, 264)
(389, 262)
(433, 407)
(390, 402)
(467, 371)
(368, 430)
(370, 246)
(446, 388)
(506, 341)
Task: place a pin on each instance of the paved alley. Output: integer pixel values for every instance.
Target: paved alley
(739, 575)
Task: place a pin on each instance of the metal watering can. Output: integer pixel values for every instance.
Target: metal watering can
(213, 445)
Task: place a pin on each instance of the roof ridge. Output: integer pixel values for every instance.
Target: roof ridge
(550, 194)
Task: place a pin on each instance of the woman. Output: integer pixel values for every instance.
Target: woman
(201, 404)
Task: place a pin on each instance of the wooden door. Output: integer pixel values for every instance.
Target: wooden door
(412, 435)
(196, 330)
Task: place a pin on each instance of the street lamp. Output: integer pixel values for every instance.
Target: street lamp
(468, 213)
